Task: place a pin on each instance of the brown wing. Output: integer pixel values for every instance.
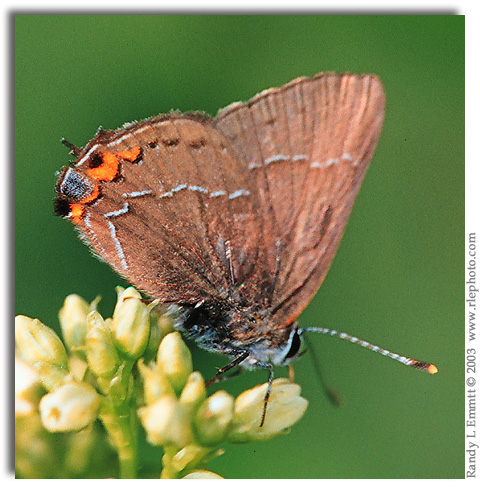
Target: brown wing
(171, 215)
(307, 145)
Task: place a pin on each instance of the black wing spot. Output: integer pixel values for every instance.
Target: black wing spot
(152, 144)
(95, 161)
(170, 142)
(139, 157)
(198, 144)
(61, 207)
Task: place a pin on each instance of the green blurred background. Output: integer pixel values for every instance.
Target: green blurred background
(397, 278)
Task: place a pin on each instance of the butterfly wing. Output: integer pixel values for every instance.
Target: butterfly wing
(307, 146)
(165, 203)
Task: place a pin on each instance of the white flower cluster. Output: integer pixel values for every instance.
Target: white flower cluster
(90, 376)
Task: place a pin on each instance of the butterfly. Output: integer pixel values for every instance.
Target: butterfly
(234, 219)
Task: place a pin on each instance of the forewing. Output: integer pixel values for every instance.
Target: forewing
(178, 207)
(307, 146)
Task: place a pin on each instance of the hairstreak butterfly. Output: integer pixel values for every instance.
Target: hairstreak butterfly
(234, 220)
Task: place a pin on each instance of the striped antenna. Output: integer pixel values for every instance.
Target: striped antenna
(425, 366)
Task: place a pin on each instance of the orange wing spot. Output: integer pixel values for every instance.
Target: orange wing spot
(94, 195)
(432, 369)
(107, 170)
(130, 154)
(76, 212)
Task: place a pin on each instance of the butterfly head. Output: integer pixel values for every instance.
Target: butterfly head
(281, 353)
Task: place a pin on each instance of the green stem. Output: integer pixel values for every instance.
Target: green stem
(127, 447)
(168, 472)
(118, 415)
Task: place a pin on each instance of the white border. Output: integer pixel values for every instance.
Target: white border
(468, 8)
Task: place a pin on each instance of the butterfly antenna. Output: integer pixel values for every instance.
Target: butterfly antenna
(418, 364)
(75, 150)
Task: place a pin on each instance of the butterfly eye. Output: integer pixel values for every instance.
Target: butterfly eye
(295, 345)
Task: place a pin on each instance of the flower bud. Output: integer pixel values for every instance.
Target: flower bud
(155, 384)
(100, 348)
(166, 422)
(202, 474)
(174, 360)
(38, 343)
(285, 408)
(51, 376)
(78, 366)
(194, 391)
(27, 388)
(39, 346)
(165, 324)
(192, 454)
(70, 407)
(160, 325)
(213, 419)
(130, 323)
(73, 320)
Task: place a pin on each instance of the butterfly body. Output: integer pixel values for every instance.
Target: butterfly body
(234, 220)
(237, 330)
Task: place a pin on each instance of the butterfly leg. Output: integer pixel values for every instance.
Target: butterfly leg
(236, 361)
(269, 367)
(226, 377)
(291, 373)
